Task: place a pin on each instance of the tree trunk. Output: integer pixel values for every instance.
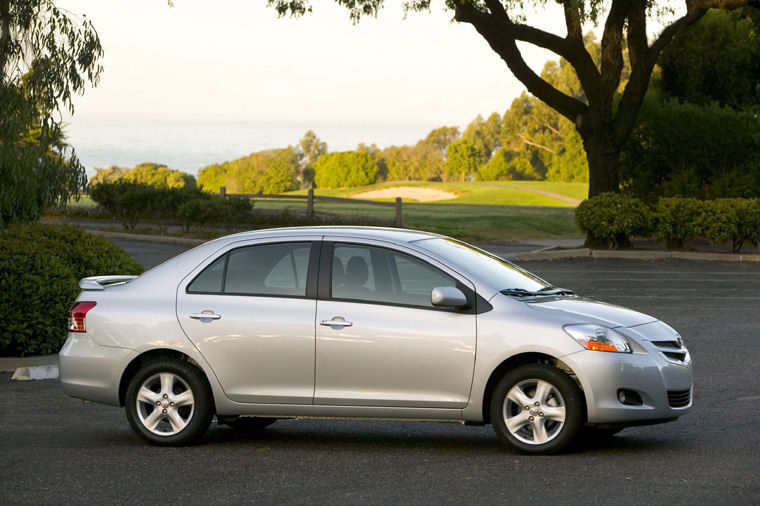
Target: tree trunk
(602, 153)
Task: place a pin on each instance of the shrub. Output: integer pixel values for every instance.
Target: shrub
(126, 201)
(613, 218)
(677, 220)
(40, 266)
(735, 220)
(209, 209)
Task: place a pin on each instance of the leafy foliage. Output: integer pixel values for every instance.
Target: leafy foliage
(684, 149)
(676, 220)
(507, 165)
(715, 60)
(46, 57)
(614, 218)
(462, 160)
(345, 169)
(270, 171)
(151, 174)
(40, 266)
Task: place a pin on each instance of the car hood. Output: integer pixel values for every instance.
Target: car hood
(590, 311)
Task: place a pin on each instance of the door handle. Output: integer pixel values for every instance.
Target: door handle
(335, 322)
(205, 316)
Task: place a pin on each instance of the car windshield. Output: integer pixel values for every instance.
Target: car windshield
(495, 271)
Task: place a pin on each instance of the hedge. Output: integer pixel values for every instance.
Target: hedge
(40, 267)
(676, 221)
(613, 218)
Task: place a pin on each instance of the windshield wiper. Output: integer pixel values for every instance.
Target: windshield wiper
(547, 290)
(555, 290)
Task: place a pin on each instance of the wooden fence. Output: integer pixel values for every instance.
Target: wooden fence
(310, 198)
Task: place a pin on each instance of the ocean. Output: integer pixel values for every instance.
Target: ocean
(189, 145)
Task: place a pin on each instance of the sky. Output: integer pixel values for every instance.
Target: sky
(235, 60)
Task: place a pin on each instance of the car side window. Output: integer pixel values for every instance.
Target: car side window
(267, 269)
(373, 274)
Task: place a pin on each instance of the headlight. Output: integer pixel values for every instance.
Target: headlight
(598, 338)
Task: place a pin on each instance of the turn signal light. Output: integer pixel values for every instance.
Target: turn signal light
(77, 315)
(597, 346)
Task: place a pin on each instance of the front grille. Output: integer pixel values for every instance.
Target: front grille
(679, 398)
(667, 344)
(675, 355)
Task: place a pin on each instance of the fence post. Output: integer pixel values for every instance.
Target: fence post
(398, 222)
(310, 204)
(223, 191)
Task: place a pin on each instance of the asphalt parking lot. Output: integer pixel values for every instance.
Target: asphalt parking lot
(60, 450)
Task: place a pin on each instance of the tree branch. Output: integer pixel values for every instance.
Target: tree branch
(502, 36)
(584, 65)
(535, 144)
(612, 49)
(5, 36)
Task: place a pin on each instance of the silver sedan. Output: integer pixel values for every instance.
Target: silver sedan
(366, 323)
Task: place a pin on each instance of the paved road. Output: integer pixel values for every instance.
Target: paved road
(59, 450)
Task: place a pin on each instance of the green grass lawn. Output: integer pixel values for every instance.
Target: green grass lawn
(495, 211)
(481, 222)
(506, 193)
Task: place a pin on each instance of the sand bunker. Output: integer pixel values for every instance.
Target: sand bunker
(407, 193)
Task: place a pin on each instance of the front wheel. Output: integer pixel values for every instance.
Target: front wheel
(169, 403)
(536, 409)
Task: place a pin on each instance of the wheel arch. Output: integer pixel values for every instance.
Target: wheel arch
(153, 356)
(523, 359)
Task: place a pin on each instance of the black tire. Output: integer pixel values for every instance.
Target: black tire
(250, 423)
(555, 433)
(192, 419)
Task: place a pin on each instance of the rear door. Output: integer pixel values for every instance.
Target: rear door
(250, 312)
(380, 342)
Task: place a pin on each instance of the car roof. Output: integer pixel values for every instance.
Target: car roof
(390, 234)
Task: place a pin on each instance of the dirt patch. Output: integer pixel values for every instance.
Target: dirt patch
(420, 194)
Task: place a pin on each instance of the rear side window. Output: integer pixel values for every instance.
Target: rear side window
(267, 269)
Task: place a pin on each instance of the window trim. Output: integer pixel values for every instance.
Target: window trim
(476, 303)
(311, 273)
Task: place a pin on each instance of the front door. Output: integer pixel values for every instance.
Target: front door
(380, 342)
(249, 314)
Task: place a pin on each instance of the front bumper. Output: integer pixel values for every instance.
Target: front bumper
(91, 371)
(665, 388)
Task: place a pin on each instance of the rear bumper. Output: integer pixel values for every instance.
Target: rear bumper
(666, 389)
(91, 371)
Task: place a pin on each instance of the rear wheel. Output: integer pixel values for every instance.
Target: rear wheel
(169, 403)
(536, 409)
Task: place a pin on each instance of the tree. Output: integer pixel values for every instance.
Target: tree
(507, 166)
(159, 176)
(462, 160)
(717, 59)
(309, 148)
(604, 118)
(107, 175)
(440, 138)
(485, 135)
(46, 57)
(421, 162)
(344, 170)
(268, 171)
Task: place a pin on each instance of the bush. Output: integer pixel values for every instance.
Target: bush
(210, 209)
(613, 218)
(677, 220)
(126, 201)
(734, 220)
(40, 266)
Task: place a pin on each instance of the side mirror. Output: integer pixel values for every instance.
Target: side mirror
(448, 296)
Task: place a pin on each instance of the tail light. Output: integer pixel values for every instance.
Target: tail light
(77, 315)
